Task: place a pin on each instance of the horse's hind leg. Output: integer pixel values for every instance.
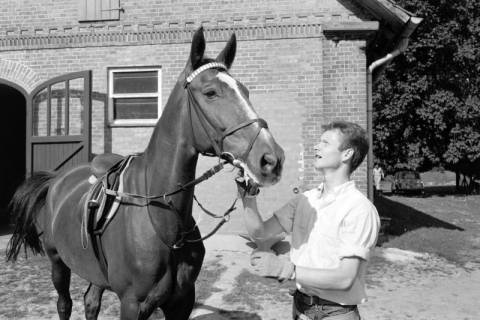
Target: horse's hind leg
(92, 301)
(61, 280)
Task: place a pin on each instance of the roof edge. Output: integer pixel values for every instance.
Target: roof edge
(388, 12)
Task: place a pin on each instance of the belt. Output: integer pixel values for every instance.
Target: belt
(314, 300)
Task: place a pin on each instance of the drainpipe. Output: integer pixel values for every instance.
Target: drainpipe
(389, 57)
(400, 47)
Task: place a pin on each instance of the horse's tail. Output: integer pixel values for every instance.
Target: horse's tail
(27, 202)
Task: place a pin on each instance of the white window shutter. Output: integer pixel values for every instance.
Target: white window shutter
(98, 10)
(82, 10)
(110, 9)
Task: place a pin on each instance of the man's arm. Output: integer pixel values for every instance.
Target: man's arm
(259, 231)
(341, 278)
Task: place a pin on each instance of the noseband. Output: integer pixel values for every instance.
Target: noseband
(219, 136)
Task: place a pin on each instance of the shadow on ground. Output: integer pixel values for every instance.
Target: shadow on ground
(401, 218)
(5, 227)
(443, 191)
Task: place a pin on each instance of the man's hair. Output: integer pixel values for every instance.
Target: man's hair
(354, 137)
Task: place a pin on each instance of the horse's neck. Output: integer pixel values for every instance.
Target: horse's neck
(170, 159)
(170, 162)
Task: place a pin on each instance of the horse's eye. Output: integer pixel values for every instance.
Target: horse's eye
(210, 93)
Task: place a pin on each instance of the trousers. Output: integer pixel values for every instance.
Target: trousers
(304, 311)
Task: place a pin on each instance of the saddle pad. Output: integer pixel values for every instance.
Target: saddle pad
(97, 217)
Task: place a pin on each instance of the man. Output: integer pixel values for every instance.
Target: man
(334, 229)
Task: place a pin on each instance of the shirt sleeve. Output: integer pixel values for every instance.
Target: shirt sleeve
(286, 214)
(359, 232)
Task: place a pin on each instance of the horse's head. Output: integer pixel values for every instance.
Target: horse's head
(223, 120)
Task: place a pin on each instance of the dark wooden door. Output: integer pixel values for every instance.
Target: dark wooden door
(58, 123)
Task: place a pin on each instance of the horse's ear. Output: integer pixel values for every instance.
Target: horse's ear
(228, 53)
(198, 48)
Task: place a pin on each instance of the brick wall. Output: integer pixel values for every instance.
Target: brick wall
(40, 16)
(297, 80)
(280, 74)
(297, 86)
(344, 89)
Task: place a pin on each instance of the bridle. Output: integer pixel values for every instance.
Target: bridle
(217, 144)
(219, 137)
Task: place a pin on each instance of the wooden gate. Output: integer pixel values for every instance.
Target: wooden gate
(58, 123)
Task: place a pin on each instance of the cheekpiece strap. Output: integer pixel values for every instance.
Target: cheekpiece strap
(210, 65)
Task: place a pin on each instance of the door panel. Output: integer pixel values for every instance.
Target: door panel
(58, 123)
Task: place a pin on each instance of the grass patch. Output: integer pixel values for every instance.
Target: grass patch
(443, 224)
(456, 246)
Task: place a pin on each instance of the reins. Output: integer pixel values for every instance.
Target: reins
(166, 197)
(208, 174)
(217, 144)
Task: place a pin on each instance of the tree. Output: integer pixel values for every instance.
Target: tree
(427, 102)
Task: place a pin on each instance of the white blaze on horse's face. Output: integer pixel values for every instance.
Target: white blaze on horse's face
(249, 114)
(232, 83)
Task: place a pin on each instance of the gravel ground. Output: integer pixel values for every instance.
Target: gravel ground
(401, 285)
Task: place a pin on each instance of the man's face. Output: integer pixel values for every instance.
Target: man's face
(327, 152)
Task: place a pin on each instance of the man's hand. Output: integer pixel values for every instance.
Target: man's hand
(268, 264)
(246, 189)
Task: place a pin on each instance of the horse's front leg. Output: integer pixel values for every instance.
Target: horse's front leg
(132, 307)
(180, 309)
(180, 306)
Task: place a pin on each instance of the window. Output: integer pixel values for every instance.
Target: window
(134, 96)
(98, 10)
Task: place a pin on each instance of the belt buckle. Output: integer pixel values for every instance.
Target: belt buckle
(307, 299)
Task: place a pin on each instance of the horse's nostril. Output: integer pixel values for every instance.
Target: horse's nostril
(268, 161)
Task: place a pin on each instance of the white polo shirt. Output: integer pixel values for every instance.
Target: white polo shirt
(328, 227)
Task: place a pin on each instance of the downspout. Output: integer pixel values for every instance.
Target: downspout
(389, 57)
(400, 47)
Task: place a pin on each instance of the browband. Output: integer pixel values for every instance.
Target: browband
(203, 68)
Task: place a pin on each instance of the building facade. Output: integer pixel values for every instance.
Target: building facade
(305, 64)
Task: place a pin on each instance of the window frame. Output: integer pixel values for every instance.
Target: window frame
(111, 96)
(91, 11)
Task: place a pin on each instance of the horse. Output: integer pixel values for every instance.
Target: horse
(152, 247)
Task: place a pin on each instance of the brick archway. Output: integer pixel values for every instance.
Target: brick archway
(18, 74)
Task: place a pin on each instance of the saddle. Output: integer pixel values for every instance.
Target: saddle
(103, 162)
(105, 175)
(100, 208)
(106, 170)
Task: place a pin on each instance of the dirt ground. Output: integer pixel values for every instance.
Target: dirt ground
(401, 285)
(437, 280)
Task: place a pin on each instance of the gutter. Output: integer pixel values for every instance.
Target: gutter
(399, 48)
